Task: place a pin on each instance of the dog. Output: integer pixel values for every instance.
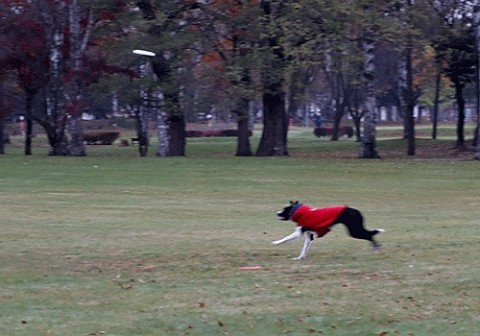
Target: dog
(311, 221)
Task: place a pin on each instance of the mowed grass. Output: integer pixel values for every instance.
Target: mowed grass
(114, 244)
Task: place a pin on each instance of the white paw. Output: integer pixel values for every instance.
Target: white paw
(298, 258)
(275, 243)
(380, 230)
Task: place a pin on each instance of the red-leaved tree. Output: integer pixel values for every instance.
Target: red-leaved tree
(48, 44)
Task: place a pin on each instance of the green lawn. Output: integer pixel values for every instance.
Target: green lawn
(114, 244)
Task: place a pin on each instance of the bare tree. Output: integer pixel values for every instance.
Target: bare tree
(476, 27)
(78, 41)
(368, 147)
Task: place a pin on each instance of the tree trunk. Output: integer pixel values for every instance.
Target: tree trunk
(2, 119)
(410, 99)
(28, 120)
(55, 94)
(175, 122)
(339, 105)
(59, 145)
(293, 93)
(77, 145)
(142, 124)
(358, 125)
(476, 26)
(176, 134)
(337, 118)
(436, 101)
(243, 139)
(162, 134)
(2, 133)
(267, 141)
(78, 43)
(275, 125)
(171, 94)
(461, 114)
(368, 147)
(352, 103)
(53, 122)
(403, 94)
(283, 144)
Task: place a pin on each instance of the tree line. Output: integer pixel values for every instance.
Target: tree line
(62, 58)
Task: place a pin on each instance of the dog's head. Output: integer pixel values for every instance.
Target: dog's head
(288, 211)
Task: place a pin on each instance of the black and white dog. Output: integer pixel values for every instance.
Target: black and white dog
(318, 221)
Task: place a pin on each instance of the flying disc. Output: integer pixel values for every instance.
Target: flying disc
(249, 268)
(143, 52)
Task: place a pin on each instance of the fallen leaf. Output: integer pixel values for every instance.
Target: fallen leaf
(126, 285)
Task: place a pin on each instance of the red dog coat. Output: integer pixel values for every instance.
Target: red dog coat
(318, 220)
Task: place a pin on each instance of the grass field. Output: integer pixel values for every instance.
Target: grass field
(114, 244)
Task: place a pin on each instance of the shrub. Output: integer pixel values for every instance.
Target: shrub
(346, 131)
(214, 133)
(193, 134)
(342, 131)
(100, 137)
(234, 132)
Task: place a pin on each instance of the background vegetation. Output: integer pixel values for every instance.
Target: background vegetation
(237, 61)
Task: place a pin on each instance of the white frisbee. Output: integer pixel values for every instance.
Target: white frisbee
(144, 52)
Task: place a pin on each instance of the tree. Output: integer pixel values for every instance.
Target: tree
(455, 45)
(368, 147)
(142, 113)
(227, 42)
(407, 94)
(55, 63)
(432, 33)
(273, 141)
(476, 27)
(78, 42)
(25, 52)
(338, 59)
(172, 33)
(4, 109)
(433, 87)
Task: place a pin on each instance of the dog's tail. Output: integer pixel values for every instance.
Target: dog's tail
(377, 231)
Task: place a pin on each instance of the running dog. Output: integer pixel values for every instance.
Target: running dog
(318, 221)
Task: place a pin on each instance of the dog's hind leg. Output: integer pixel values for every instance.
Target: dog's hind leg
(353, 220)
(376, 245)
(306, 245)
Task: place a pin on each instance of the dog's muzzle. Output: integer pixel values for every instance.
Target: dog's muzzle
(281, 216)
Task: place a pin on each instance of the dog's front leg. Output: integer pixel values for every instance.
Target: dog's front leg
(306, 245)
(294, 235)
